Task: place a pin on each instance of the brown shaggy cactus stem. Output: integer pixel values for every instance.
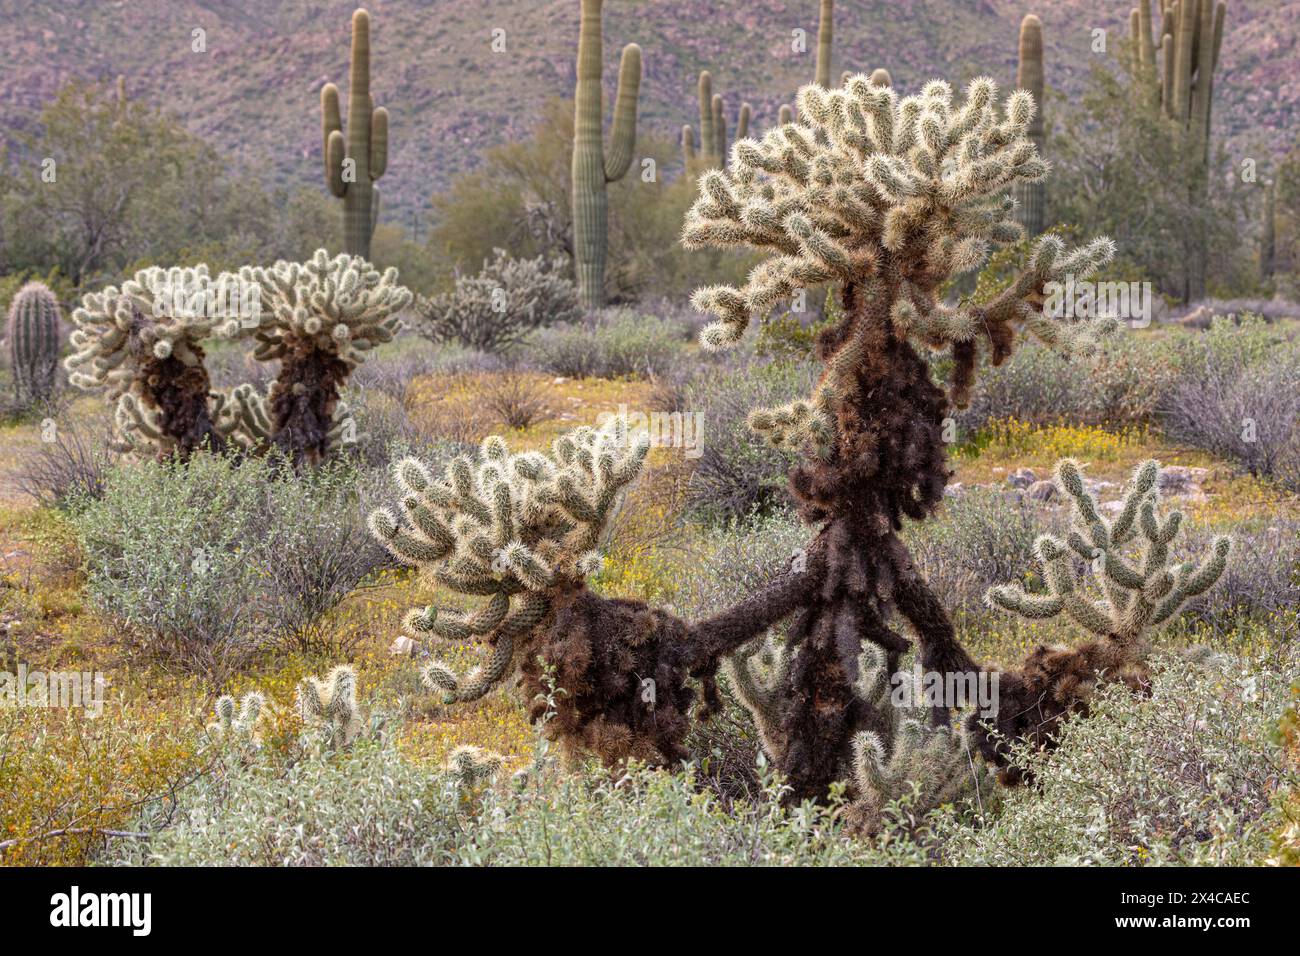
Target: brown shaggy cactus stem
(303, 400)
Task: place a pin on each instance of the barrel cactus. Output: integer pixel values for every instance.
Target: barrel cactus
(32, 332)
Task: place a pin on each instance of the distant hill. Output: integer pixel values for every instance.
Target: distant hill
(255, 91)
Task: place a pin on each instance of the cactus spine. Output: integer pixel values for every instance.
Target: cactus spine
(713, 128)
(593, 168)
(1032, 197)
(33, 335)
(366, 144)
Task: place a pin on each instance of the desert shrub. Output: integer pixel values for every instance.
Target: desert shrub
(1182, 777)
(315, 550)
(69, 774)
(618, 342)
(365, 807)
(390, 370)
(1261, 580)
(649, 818)
(508, 298)
(518, 399)
(208, 562)
(1200, 314)
(1120, 386)
(166, 550)
(73, 464)
(1237, 394)
(738, 474)
(982, 538)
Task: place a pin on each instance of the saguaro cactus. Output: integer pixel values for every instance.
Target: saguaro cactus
(1180, 83)
(352, 169)
(825, 31)
(1032, 197)
(593, 168)
(713, 128)
(33, 335)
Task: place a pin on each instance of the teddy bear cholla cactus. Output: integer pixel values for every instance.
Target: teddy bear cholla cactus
(900, 194)
(522, 531)
(1139, 588)
(142, 342)
(237, 721)
(899, 756)
(329, 706)
(890, 198)
(322, 316)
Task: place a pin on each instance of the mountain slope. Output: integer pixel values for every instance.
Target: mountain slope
(254, 92)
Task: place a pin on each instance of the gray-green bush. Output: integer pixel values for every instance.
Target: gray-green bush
(208, 562)
(508, 298)
(617, 342)
(737, 474)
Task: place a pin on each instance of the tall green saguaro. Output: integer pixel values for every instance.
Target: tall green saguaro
(825, 31)
(593, 168)
(713, 128)
(1032, 197)
(1180, 82)
(353, 165)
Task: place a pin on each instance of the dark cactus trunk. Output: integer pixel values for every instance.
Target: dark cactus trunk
(303, 400)
(180, 393)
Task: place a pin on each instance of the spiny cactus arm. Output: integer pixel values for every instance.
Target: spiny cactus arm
(342, 305)
(622, 138)
(438, 676)
(858, 182)
(1137, 596)
(331, 703)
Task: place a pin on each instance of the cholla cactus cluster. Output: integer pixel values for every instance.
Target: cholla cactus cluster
(237, 722)
(1140, 588)
(472, 766)
(329, 706)
(902, 756)
(341, 305)
(142, 342)
(1137, 594)
(496, 308)
(510, 528)
(897, 194)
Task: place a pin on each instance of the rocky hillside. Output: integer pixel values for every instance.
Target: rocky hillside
(255, 89)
